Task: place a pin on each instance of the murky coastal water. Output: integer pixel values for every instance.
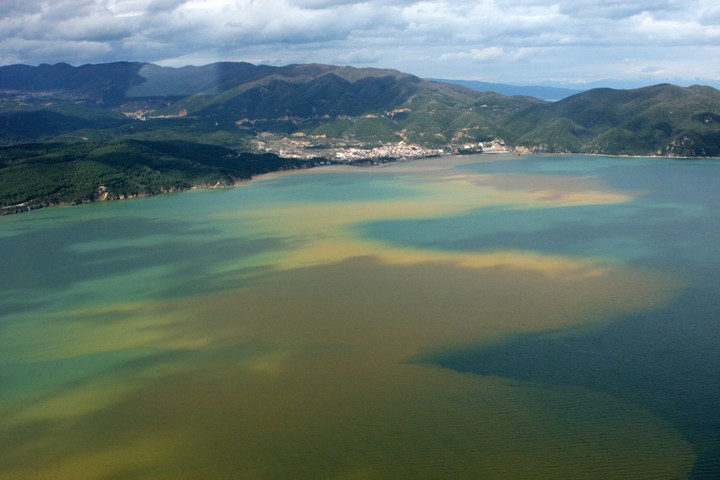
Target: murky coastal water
(483, 317)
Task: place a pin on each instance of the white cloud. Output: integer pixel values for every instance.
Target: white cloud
(489, 55)
(676, 31)
(485, 39)
(357, 57)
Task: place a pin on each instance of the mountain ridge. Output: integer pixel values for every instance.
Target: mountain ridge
(239, 99)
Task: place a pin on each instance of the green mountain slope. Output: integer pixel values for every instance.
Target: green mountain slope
(106, 82)
(229, 103)
(242, 99)
(31, 120)
(296, 100)
(657, 120)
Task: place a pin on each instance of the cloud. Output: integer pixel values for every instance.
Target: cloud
(357, 57)
(489, 55)
(676, 31)
(17, 8)
(611, 9)
(156, 6)
(427, 37)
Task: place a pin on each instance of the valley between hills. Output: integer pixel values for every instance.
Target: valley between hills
(109, 131)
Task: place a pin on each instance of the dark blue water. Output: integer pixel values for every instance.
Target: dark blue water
(666, 361)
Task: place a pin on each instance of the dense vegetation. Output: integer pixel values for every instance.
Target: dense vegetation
(73, 134)
(40, 174)
(657, 120)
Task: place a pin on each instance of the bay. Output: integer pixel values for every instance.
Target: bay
(475, 317)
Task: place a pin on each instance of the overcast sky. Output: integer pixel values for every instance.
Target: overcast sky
(511, 41)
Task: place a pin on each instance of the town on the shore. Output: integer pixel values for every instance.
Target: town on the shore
(303, 146)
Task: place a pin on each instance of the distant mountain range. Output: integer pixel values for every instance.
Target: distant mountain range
(554, 92)
(309, 112)
(550, 94)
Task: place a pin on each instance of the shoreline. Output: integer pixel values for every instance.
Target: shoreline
(27, 206)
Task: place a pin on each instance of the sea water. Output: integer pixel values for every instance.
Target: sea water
(476, 317)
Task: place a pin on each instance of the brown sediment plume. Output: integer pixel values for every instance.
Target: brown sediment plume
(308, 373)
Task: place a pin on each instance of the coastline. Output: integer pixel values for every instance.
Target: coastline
(104, 195)
(331, 166)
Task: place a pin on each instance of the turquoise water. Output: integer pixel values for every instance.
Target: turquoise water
(482, 317)
(666, 360)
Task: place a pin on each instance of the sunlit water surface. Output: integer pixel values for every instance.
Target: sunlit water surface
(482, 317)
